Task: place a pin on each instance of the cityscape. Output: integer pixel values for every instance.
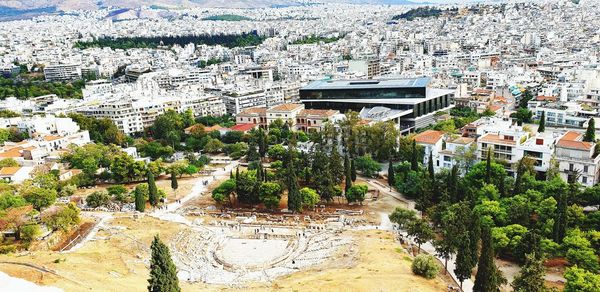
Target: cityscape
(328, 145)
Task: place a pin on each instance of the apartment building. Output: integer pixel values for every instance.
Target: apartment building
(454, 147)
(576, 159)
(62, 72)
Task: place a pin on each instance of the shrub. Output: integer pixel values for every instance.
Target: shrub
(5, 249)
(97, 199)
(425, 265)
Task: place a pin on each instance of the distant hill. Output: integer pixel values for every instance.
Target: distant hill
(67, 5)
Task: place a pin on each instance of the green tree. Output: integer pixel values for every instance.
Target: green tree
(420, 230)
(353, 170)
(531, 276)
(391, 175)
(590, 132)
(488, 277)
(152, 190)
(403, 217)
(464, 263)
(294, 196)
(29, 233)
(580, 280)
(347, 173)
(367, 165)
(97, 199)
(168, 127)
(174, 184)
(309, 197)
(356, 193)
(560, 219)
(63, 218)
(163, 273)
(270, 194)
(140, 201)
(414, 164)
(542, 126)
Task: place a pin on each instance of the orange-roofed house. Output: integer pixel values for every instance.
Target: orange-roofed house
(433, 142)
(313, 119)
(257, 115)
(576, 159)
(15, 174)
(286, 112)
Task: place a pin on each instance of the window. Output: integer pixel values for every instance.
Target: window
(570, 166)
(584, 179)
(585, 169)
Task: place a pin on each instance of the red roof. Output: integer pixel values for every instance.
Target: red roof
(243, 127)
(573, 140)
(429, 137)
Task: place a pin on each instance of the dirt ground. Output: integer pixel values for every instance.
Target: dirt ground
(117, 263)
(184, 183)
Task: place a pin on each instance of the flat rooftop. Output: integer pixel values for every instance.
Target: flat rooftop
(420, 82)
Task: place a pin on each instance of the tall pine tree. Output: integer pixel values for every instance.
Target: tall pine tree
(488, 167)
(152, 190)
(590, 132)
(163, 273)
(542, 126)
(391, 174)
(560, 219)
(531, 276)
(414, 164)
(353, 170)
(488, 277)
(347, 173)
(140, 202)
(174, 184)
(464, 264)
(294, 197)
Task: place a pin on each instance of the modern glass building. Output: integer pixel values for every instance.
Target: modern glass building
(411, 101)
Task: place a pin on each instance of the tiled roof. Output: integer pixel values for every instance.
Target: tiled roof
(253, 111)
(243, 127)
(316, 112)
(429, 137)
(492, 138)
(10, 170)
(573, 140)
(286, 107)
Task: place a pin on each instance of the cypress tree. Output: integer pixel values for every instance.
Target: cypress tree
(262, 142)
(174, 184)
(488, 277)
(294, 198)
(531, 276)
(347, 173)
(430, 167)
(542, 126)
(163, 273)
(391, 174)
(488, 167)
(414, 164)
(519, 178)
(452, 187)
(353, 170)
(152, 190)
(560, 219)
(140, 202)
(464, 263)
(590, 132)
(259, 174)
(237, 181)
